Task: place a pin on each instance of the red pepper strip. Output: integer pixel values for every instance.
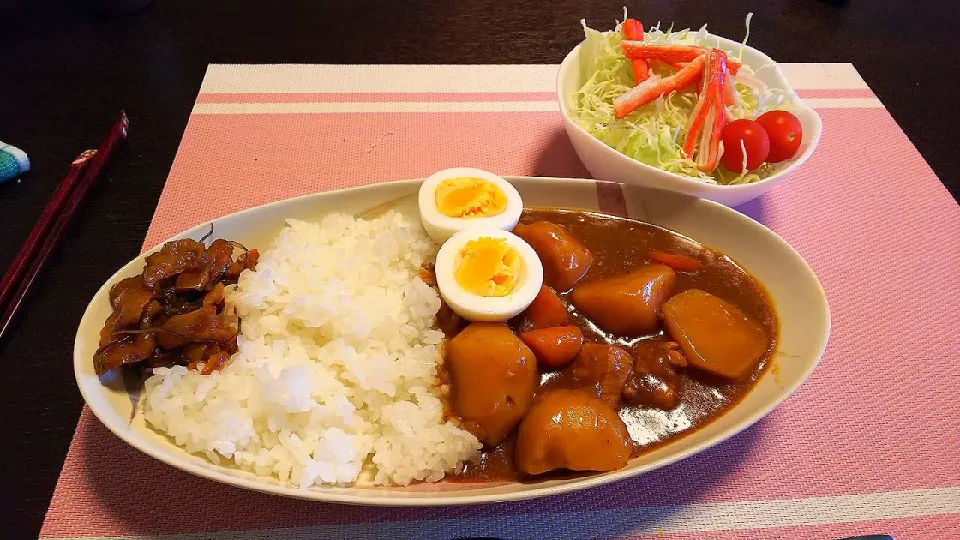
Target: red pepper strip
(645, 93)
(668, 52)
(632, 29)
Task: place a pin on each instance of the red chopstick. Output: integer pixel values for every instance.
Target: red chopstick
(57, 216)
(29, 250)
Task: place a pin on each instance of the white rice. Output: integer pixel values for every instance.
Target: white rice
(336, 372)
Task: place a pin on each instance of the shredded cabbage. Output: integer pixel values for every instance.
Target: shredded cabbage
(654, 133)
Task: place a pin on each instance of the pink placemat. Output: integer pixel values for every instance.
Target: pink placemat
(869, 444)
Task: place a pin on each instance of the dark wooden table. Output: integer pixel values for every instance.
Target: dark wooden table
(66, 70)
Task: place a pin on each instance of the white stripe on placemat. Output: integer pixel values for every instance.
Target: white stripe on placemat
(722, 516)
(844, 103)
(314, 107)
(822, 76)
(296, 78)
(376, 107)
(306, 78)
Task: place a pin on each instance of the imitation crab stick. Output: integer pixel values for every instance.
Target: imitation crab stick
(633, 30)
(709, 115)
(670, 53)
(729, 91)
(654, 87)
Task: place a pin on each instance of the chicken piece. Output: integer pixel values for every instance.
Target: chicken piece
(571, 429)
(654, 382)
(565, 260)
(602, 370)
(626, 305)
(493, 376)
(674, 357)
(714, 334)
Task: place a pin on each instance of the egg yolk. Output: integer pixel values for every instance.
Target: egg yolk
(488, 267)
(469, 197)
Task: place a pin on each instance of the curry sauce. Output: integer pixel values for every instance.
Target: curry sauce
(619, 246)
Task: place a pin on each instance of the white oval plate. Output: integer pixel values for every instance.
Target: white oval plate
(606, 163)
(800, 301)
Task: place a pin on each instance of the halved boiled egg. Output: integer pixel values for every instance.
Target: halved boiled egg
(456, 199)
(487, 274)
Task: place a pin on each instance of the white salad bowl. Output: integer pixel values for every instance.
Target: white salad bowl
(606, 163)
(795, 290)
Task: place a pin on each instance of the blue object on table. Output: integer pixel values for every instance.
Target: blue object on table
(13, 162)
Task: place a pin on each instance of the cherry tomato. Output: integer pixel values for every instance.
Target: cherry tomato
(785, 133)
(755, 142)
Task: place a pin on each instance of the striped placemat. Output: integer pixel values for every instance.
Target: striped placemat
(869, 444)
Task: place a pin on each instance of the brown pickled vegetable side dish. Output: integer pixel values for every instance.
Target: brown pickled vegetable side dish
(639, 336)
(174, 312)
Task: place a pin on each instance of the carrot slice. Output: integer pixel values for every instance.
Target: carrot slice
(546, 310)
(680, 263)
(554, 347)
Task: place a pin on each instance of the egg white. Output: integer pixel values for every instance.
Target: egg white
(482, 308)
(440, 227)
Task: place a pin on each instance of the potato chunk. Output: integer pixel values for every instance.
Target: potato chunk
(493, 376)
(714, 334)
(571, 429)
(626, 305)
(565, 260)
